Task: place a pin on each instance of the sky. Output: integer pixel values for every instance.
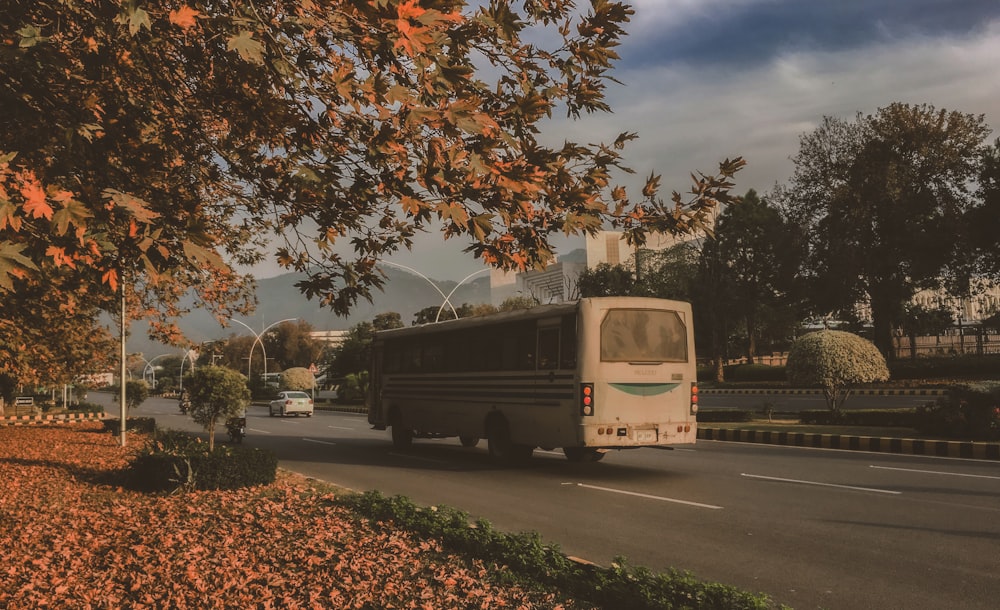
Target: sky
(706, 80)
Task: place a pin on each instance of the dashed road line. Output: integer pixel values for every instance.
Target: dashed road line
(949, 474)
(818, 484)
(647, 496)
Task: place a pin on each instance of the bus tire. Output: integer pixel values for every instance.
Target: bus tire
(583, 454)
(402, 437)
(500, 446)
(469, 441)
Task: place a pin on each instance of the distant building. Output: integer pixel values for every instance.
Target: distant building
(557, 282)
(332, 338)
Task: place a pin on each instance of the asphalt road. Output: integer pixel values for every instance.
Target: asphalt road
(811, 528)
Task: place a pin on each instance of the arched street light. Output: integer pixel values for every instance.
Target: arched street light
(258, 339)
(448, 298)
(188, 354)
(149, 365)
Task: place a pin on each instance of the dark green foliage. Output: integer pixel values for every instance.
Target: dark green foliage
(946, 367)
(970, 411)
(180, 461)
(146, 425)
(87, 407)
(754, 372)
(533, 563)
(892, 418)
(724, 415)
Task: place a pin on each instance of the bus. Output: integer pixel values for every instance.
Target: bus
(585, 376)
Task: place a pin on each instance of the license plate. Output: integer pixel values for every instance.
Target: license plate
(645, 436)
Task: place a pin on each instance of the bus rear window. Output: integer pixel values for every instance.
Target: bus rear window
(643, 335)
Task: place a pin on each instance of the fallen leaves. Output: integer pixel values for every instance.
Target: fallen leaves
(71, 540)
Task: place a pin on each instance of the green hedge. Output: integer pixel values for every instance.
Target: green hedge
(891, 418)
(946, 367)
(969, 411)
(146, 425)
(176, 460)
(532, 563)
(725, 415)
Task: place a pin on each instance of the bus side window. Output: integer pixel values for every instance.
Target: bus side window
(548, 348)
(568, 343)
(526, 338)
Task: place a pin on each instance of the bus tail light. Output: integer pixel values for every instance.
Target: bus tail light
(586, 399)
(694, 397)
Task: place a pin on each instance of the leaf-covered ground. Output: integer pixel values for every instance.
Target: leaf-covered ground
(68, 539)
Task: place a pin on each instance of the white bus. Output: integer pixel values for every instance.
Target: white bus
(586, 376)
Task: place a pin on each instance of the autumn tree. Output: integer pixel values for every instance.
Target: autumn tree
(882, 200)
(292, 345)
(150, 145)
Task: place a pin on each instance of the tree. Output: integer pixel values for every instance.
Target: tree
(759, 256)
(150, 146)
(297, 378)
(354, 354)
(835, 361)
(919, 320)
(387, 321)
(515, 303)
(882, 200)
(136, 392)
(216, 392)
(292, 345)
(606, 280)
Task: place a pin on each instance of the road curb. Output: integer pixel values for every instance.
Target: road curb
(63, 418)
(917, 392)
(905, 446)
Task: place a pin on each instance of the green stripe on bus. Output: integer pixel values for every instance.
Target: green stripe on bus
(644, 389)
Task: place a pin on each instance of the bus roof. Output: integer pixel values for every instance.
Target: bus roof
(540, 311)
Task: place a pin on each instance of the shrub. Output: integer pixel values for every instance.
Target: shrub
(890, 418)
(297, 378)
(754, 372)
(835, 361)
(724, 415)
(532, 562)
(179, 461)
(146, 425)
(969, 411)
(87, 407)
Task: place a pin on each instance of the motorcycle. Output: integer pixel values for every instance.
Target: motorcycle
(237, 427)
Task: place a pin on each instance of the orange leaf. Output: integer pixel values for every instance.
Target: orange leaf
(110, 277)
(34, 201)
(184, 17)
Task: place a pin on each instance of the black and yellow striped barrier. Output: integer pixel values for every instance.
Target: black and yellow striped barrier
(907, 446)
(62, 418)
(875, 392)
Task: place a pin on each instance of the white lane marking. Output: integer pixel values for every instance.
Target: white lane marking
(947, 474)
(647, 496)
(339, 428)
(256, 430)
(818, 484)
(313, 440)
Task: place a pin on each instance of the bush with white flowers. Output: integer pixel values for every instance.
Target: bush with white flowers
(835, 361)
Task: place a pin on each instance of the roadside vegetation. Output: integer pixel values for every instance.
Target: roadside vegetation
(77, 538)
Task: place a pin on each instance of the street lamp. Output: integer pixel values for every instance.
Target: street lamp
(188, 354)
(447, 299)
(431, 282)
(257, 339)
(149, 365)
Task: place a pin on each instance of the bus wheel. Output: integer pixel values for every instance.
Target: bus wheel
(469, 441)
(500, 447)
(583, 454)
(402, 437)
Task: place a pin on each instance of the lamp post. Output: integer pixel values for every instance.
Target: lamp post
(149, 365)
(258, 339)
(444, 296)
(188, 354)
(448, 298)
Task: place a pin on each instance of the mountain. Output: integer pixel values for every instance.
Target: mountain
(278, 299)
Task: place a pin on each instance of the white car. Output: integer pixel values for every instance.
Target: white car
(289, 402)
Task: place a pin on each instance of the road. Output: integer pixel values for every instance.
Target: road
(811, 528)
